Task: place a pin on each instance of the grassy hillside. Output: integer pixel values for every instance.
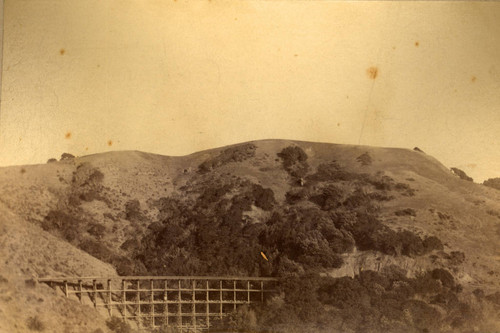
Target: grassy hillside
(28, 252)
(364, 222)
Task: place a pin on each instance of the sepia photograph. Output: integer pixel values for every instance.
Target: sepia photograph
(258, 166)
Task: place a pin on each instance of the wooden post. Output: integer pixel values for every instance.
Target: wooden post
(234, 295)
(179, 307)
(152, 299)
(80, 289)
(94, 286)
(124, 301)
(220, 294)
(248, 292)
(66, 288)
(193, 299)
(208, 306)
(138, 301)
(165, 298)
(110, 307)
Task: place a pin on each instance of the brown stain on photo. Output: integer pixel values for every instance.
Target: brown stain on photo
(68, 135)
(110, 143)
(62, 51)
(372, 72)
(473, 79)
(23, 170)
(417, 44)
(86, 148)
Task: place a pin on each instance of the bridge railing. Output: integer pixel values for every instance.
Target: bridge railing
(174, 301)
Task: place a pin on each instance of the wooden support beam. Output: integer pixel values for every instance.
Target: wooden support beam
(207, 304)
(193, 299)
(220, 294)
(94, 287)
(124, 300)
(80, 289)
(66, 288)
(152, 306)
(234, 295)
(179, 308)
(110, 307)
(165, 298)
(138, 300)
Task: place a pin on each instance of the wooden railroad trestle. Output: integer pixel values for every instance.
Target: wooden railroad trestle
(190, 302)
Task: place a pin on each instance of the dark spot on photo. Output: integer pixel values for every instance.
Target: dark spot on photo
(372, 72)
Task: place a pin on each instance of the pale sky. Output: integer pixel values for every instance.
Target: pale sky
(175, 77)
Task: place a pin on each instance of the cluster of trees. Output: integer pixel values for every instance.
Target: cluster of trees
(461, 174)
(210, 235)
(369, 302)
(294, 161)
(233, 154)
(493, 183)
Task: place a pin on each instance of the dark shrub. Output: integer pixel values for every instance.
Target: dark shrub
(344, 292)
(67, 156)
(493, 183)
(424, 317)
(418, 149)
(381, 182)
(457, 258)
(51, 160)
(479, 293)
(358, 198)
(130, 244)
(213, 194)
(494, 298)
(331, 172)
(291, 155)
(118, 325)
(405, 189)
(263, 197)
(65, 224)
(365, 159)
(406, 212)
(87, 183)
(380, 196)
(97, 230)
(425, 284)
(97, 249)
(432, 243)
(461, 174)
(294, 196)
(330, 198)
(133, 210)
(411, 243)
(35, 324)
(294, 161)
(233, 154)
(444, 276)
